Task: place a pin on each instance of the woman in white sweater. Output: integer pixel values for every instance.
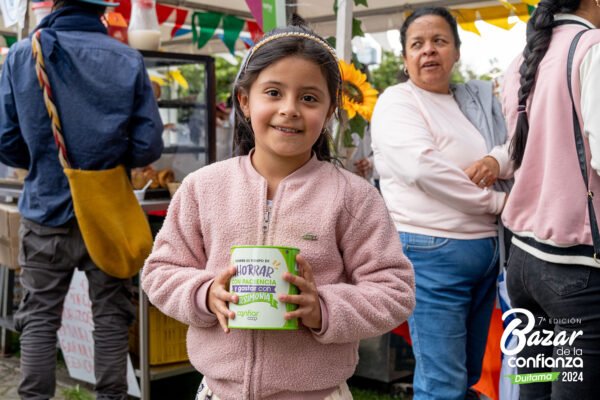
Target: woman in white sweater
(436, 181)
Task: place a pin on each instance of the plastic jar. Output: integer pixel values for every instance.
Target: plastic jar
(40, 9)
(143, 32)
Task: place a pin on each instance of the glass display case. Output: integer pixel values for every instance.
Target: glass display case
(184, 86)
(185, 89)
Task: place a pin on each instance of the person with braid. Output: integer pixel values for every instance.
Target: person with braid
(553, 275)
(109, 116)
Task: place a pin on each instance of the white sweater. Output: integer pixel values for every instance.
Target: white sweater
(421, 144)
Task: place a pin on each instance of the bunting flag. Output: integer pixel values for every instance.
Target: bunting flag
(232, 27)
(495, 15)
(180, 17)
(255, 31)
(204, 29)
(124, 9)
(205, 24)
(182, 31)
(256, 9)
(466, 19)
(10, 40)
(531, 3)
(162, 13)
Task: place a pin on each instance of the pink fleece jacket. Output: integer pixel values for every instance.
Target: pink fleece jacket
(365, 283)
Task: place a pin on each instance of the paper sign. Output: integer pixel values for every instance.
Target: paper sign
(76, 339)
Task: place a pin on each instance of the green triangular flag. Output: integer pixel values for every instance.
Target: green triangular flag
(10, 40)
(232, 26)
(207, 22)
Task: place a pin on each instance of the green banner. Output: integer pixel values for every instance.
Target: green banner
(207, 23)
(232, 26)
(523, 379)
(273, 13)
(258, 298)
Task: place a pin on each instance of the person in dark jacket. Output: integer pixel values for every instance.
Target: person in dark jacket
(109, 117)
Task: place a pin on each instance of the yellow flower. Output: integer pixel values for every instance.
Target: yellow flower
(358, 96)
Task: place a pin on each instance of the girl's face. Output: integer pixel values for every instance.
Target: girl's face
(430, 53)
(288, 105)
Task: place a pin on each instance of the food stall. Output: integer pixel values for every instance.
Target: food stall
(187, 107)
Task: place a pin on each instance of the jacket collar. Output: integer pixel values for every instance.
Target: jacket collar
(302, 173)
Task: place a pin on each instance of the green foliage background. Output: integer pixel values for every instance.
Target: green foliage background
(225, 72)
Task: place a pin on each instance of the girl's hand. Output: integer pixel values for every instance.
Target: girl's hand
(309, 306)
(484, 172)
(218, 296)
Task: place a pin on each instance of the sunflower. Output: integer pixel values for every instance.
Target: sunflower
(358, 96)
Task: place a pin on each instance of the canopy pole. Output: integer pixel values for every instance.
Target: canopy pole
(343, 32)
(24, 31)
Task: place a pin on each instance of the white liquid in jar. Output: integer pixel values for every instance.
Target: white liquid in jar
(144, 39)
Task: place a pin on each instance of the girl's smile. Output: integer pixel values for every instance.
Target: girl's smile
(286, 130)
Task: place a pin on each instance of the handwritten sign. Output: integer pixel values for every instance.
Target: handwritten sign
(76, 339)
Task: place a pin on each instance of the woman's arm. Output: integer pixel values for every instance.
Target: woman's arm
(407, 147)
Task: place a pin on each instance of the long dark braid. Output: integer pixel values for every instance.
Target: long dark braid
(539, 35)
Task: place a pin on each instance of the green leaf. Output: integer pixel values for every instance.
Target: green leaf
(387, 72)
(335, 7)
(347, 139)
(331, 40)
(361, 2)
(356, 28)
(357, 125)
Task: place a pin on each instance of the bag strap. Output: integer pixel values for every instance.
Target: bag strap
(40, 71)
(581, 149)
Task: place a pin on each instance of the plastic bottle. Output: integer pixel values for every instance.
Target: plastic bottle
(41, 9)
(143, 32)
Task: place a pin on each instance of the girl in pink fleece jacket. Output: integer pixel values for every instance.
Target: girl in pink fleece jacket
(283, 190)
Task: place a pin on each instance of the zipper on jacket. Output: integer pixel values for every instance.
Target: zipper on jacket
(265, 225)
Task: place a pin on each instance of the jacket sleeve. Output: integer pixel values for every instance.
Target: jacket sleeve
(175, 270)
(407, 147)
(380, 292)
(13, 149)
(145, 125)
